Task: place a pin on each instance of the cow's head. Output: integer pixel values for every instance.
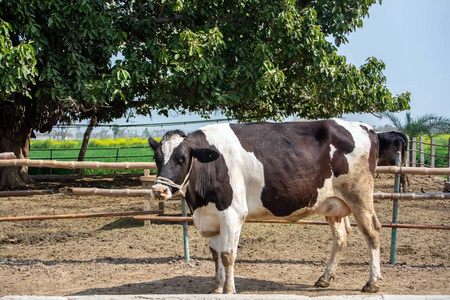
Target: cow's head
(174, 157)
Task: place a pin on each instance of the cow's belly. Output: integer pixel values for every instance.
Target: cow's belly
(207, 220)
(330, 207)
(257, 211)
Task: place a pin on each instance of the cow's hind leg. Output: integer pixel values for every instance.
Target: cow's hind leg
(370, 227)
(340, 227)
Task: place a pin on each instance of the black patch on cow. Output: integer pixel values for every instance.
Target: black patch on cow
(209, 182)
(296, 159)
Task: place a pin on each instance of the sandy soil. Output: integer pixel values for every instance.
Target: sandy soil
(121, 256)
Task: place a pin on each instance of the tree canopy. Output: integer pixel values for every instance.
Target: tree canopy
(251, 60)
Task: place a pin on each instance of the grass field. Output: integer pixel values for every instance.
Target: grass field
(107, 150)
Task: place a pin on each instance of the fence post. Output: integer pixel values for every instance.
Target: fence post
(414, 152)
(432, 153)
(395, 210)
(422, 152)
(185, 230)
(408, 154)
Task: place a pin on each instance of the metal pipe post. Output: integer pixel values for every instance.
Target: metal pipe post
(395, 210)
(185, 230)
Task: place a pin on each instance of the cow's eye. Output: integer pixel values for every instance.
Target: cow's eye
(182, 160)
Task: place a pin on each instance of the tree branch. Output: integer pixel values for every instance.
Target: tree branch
(166, 20)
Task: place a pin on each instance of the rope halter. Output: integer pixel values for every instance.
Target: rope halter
(181, 187)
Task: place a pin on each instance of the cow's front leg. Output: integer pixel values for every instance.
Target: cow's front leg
(228, 259)
(219, 278)
(223, 248)
(230, 230)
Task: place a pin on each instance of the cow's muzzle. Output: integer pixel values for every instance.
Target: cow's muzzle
(161, 192)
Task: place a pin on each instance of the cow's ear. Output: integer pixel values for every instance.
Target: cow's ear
(153, 143)
(205, 155)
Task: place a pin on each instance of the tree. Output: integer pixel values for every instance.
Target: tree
(251, 60)
(428, 124)
(64, 69)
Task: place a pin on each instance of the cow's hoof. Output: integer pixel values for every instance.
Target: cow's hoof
(230, 292)
(370, 287)
(217, 291)
(322, 283)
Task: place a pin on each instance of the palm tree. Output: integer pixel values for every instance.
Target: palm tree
(428, 124)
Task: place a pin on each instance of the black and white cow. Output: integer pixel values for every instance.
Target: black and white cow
(287, 171)
(389, 144)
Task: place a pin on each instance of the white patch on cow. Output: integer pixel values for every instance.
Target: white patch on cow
(246, 172)
(375, 265)
(169, 145)
(361, 139)
(332, 150)
(207, 221)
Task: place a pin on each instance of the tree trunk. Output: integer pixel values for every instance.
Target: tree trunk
(86, 137)
(20, 145)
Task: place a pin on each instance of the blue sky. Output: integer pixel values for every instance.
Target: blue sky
(412, 37)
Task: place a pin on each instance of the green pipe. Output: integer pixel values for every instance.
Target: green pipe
(395, 210)
(185, 230)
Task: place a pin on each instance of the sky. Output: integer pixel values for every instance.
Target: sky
(412, 37)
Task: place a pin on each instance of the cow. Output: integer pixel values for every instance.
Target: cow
(389, 143)
(285, 171)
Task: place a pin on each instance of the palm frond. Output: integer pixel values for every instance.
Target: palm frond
(428, 124)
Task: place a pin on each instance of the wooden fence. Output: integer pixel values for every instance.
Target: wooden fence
(8, 161)
(413, 152)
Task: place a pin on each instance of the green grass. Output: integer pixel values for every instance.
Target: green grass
(107, 150)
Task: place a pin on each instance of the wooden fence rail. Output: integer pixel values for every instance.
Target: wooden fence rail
(413, 170)
(299, 222)
(77, 164)
(7, 155)
(77, 216)
(152, 166)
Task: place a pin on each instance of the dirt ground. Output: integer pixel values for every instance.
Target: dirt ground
(122, 256)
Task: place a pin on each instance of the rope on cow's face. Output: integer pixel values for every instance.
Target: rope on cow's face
(181, 187)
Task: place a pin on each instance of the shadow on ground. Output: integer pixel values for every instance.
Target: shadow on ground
(200, 285)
